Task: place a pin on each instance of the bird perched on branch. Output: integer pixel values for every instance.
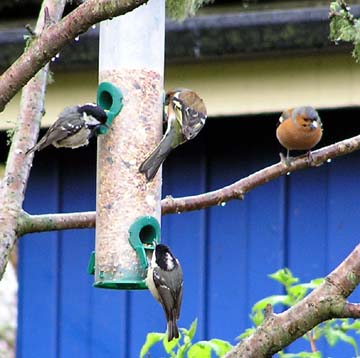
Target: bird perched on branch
(186, 115)
(299, 128)
(74, 127)
(165, 282)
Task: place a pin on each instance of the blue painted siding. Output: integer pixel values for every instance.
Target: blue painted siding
(307, 221)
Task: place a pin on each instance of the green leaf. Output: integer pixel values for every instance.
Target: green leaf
(284, 276)
(200, 350)
(346, 338)
(169, 346)
(351, 326)
(248, 332)
(297, 292)
(181, 351)
(223, 346)
(257, 317)
(192, 329)
(272, 300)
(151, 339)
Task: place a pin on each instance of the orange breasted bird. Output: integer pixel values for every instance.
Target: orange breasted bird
(299, 128)
(186, 115)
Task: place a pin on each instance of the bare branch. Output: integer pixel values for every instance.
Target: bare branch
(324, 303)
(51, 41)
(51, 222)
(351, 310)
(236, 190)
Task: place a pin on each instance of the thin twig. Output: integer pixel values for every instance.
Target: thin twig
(312, 341)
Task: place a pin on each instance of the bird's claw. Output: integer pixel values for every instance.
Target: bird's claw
(285, 160)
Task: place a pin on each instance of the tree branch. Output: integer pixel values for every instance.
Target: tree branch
(51, 41)
(238, 189)
(18, 165)
(351, 310)
(51, 222)
(324, 303)
(169, 205)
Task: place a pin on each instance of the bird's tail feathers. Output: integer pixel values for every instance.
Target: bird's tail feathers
(152, 163)
(172, 329)
(40, 145)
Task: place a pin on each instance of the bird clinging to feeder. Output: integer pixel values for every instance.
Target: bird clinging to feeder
(186, 115)
(73, 128)
(165, 282)
(299, 128)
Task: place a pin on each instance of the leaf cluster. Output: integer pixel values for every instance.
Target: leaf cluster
(344, 26)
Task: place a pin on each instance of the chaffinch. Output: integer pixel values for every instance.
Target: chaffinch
(186, 115)
(299, 128)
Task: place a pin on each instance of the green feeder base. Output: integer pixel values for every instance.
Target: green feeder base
(107, 280)
(144, 234)
(121, 285)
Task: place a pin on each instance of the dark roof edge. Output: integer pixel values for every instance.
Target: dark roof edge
(217, 37)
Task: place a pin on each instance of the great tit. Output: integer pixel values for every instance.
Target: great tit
(74, 127)
(165, 282)
(186, 115)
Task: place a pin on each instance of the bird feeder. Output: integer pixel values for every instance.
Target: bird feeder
(128, 211)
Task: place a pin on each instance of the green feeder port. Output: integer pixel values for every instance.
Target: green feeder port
(109, 98)
(144, 235)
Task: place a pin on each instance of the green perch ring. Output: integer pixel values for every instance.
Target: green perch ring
(110, 99)
(144, 234)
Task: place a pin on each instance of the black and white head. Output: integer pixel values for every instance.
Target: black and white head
(163, 258)
(92, 114)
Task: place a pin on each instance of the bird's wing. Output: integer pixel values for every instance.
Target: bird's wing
(178, 300)
(62, 128)
(165, 292)
(193, 122)
(191, 115)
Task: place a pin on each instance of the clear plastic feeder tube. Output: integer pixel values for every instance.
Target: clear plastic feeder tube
(131, 58)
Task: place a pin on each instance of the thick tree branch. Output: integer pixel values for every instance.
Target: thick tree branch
(51, 41)
(325, 302)
(18, 165)
(169, 205)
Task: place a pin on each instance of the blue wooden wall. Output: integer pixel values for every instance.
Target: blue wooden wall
(308, 221)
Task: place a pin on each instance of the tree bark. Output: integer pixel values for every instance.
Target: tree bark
(325, 302)
(18, 165)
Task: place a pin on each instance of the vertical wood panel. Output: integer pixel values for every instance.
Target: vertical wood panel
(344, 219)
(75, 294)
(38, 268)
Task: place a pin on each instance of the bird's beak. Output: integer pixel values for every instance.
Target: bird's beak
(314, 124)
